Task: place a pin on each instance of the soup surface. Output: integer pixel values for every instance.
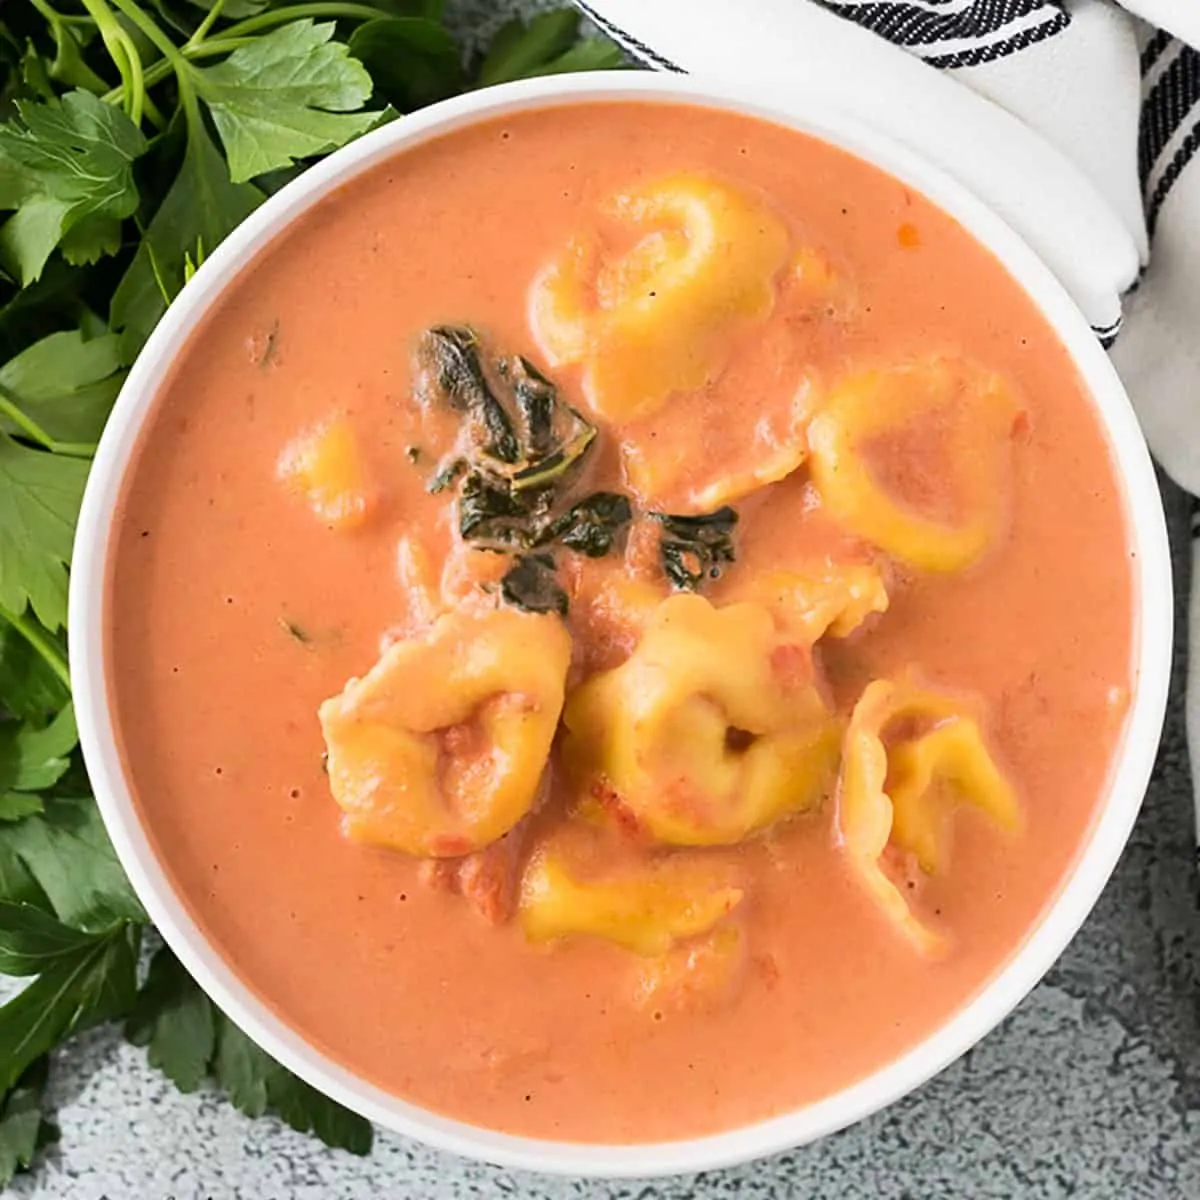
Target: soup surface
(737, 588)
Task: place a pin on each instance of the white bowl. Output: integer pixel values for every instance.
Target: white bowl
(1044, 942)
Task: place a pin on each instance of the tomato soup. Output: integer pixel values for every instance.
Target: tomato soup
(619, 621)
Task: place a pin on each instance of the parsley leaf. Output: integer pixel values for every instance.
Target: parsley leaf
(15, 805)
(174, 1018)
(31, 939)
(92, 983)
(256, 1083)
(241, 1069)
(308, 1111)
(519, 50)
(591, 54)
(67, 853)
(68, 65)
(411, 61)
(60, 165)
(201, 207)
(29, 689)
(16, 883)
(289, 95)
(40, 495)
(66, 383)
(23, 1125)
(32, 759)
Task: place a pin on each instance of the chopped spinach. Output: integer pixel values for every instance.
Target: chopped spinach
(591, 526)
(536, 398)
(693, 549)
(514, 476)
(295, 632)
(532, 585)
(446, 476)
(453, 352)
(556, 464)
(490, 511)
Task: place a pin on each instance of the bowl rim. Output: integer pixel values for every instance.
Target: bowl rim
(797, 107)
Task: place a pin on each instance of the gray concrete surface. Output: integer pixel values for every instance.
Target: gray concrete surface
(1091, 1089)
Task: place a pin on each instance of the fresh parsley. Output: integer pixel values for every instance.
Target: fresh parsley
(66, 171)
(134, 136)
(288, 95)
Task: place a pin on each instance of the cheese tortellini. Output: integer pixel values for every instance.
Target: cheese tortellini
(830, 598)
(440, 748)
(896, 793)
(979, 412)
(711, 730)
(647, 909)
(326, 466)
(657, 319)
(700, 975)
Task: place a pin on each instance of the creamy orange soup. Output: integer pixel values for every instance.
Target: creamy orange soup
(619, 622)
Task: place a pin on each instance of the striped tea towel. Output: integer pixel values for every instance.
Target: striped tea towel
(1075, 119)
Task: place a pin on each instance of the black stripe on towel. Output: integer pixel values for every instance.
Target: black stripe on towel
(643, 53)
(984, 54)
(1183, 156)
(1166, 108)
(1153, 49)
(1107, 334)
(1166, 104)
(915, 26)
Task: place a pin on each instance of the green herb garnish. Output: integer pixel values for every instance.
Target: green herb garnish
(296, 632)
(592, 526)
(519, 503)
(491, 512)
(134, 136)
(453, 353)
(694, 549)
(537, 398)
(532, 585)
(446, 476)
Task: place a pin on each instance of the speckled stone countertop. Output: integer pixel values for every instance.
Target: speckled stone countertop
(1090, 1089)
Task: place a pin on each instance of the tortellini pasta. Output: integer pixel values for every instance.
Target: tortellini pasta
(892, 794)
(818, 287)
(693, 977)
(327, 468)
(647, 909)
(656, 319)
(662, 454)
(711, 730)
(440, 748)
(829, 598)
(979, 411)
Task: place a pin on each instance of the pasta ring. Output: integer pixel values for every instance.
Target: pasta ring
(440, 748)
(711, 730)
(884, 796)
(655, 321)
(868, 405)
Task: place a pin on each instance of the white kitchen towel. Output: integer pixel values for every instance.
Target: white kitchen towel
(1076, 119)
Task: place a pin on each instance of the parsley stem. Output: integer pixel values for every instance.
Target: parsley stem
(149, 27)
(205, 25)
(124, 54)
(207, 49)
(41, 641)
(296, 12)
(235, 36)
(32, 430)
